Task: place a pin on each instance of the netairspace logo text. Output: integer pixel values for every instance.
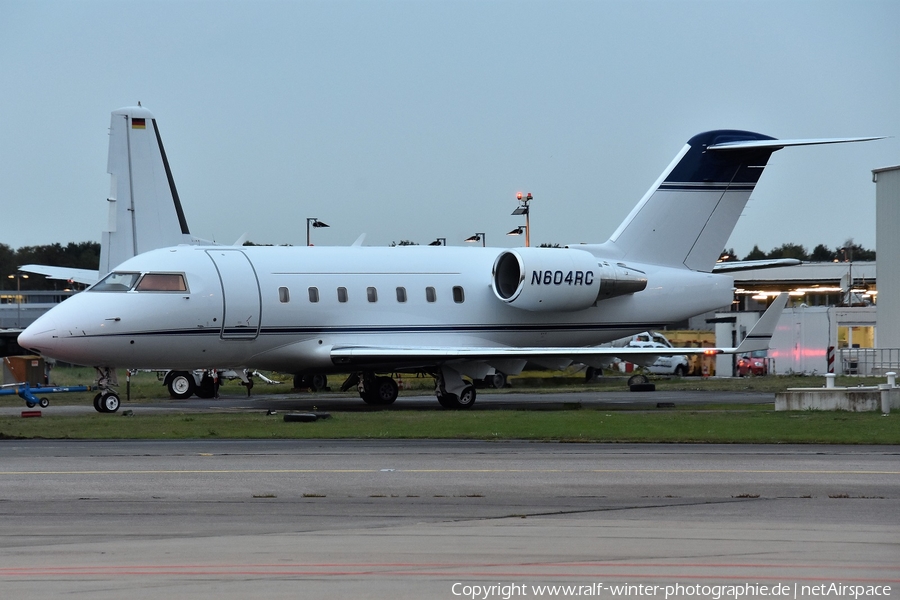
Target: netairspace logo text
(713, 592)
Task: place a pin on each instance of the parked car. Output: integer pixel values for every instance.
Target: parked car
(677, 365)
(753, 363)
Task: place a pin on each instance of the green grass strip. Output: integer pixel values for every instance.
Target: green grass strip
(589, 425)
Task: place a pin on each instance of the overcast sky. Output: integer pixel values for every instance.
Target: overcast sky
(418, 120)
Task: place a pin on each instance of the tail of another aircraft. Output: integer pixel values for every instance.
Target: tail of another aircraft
(144, 209)
(686, 218)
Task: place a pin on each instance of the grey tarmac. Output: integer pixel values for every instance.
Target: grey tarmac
(411, 519)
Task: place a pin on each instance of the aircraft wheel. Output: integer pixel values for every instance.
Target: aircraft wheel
(109, 403)
(318, 381)
(44, 403)
(382, 392)
(497, 380)
(638, 380)
(30, 404)
(97, 399)
(386, 390)
(181, 385)
(465, 400)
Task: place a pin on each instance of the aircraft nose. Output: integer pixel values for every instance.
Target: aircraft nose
(39, 336)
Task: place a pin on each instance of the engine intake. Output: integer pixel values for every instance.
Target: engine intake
(559, 279)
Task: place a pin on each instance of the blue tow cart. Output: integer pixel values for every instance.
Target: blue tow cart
(30, 394)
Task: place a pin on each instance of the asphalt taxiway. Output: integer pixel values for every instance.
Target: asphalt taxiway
(410, 519)
(409, 400)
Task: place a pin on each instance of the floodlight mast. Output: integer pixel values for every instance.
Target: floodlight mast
(523, 210)
(478, 237)
(315, 223)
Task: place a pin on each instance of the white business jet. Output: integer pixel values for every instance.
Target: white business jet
(449, 312)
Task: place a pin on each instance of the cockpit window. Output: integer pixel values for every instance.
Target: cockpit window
(162, 282)
(116, 282)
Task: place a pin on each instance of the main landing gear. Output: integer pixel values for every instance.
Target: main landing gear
(450, 389)
(373, 389)
(107, 401)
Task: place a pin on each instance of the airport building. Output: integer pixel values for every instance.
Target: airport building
(838, 321)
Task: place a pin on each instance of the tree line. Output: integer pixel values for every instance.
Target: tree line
(849, 252)
(81, 255)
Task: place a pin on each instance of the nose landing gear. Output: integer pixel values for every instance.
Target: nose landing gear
(107, 401)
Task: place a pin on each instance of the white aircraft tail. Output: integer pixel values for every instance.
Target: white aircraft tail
(144, 209)
(686, 218)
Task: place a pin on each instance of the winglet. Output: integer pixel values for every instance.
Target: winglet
(761, 333)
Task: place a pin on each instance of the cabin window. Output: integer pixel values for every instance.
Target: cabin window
(342, 294)
(459, 296)
(372, 294)
(401, 294)
(313, 294)
(430, 294)
(162, 282)
(116, 282)
(284, 295)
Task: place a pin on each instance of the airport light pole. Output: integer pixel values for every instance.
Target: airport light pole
(478, 237)
(315, 223)
(18, 277)
(519, 231)
(524, 210)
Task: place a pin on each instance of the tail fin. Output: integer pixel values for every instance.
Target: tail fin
(144, 209)
(686, 218)
(761, 334)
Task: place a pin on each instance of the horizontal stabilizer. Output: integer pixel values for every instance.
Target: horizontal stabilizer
(777, 144)
(747, 265)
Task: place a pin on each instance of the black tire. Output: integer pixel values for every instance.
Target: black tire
(382, 392)
(446, 400)
(680, 371)
(638, 379)
(497, 380)
(300, 417)
(97, 399)
(30, 404)
(642, 387)
(180, 385)
(44, 403)
(465, 400)
(314, 382)
(318, 382)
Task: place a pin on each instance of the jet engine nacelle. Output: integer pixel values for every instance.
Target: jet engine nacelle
(547, 278)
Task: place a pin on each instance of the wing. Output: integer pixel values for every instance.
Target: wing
(411, 357)
(84, 276)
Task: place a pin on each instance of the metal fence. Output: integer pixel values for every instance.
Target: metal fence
(867, 361)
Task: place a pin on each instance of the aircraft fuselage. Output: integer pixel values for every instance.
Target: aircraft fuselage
(285, 308)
